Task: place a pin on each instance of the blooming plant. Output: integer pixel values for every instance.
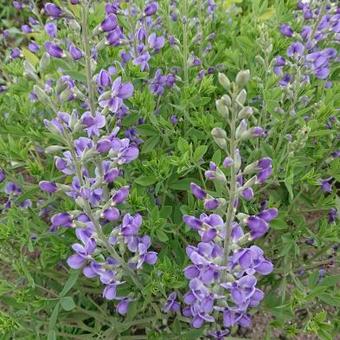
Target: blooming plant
(221, 265)
(169, 169)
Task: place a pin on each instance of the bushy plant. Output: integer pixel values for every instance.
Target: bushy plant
(169, 169)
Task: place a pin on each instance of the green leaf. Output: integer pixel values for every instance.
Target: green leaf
(150, 144)
(67, 303)
(182, 184)
(279, 224)
(31, 57)
(330, 280)
(182, 145)
(217, 157)
(52, 322)
(146, 180)
(70, 282)
(329, 299)
(162, 236)
(200, 152)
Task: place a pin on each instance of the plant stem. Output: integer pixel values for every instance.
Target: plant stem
(185, 42)
(86, 47)
(230, 214)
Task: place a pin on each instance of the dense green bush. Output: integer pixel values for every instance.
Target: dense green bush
(171, 115)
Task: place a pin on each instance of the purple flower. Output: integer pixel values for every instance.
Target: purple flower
(122, 306)
(51, 29)
(247, 194)
(122, 152)
(15, 53)
(198, 192)
(252, 261)
(26, 29)
(171, 304)
(2, 175)
(268, 214)
(54, 50)
(103, 79)
(151, 8)
(155, 42)
(61, 220)
(207, 225)
(120, 196)
(295, 50)
(211, 204)
(231, 318)
(53, 10)
(33, 47)
(285, 80)
(258, 227)
(228, 162)
(75, 52)
(143, 61)
(17, 5)
(286, 30)
(111, 214)
(242, 289)
(114, 99)
(306, 32)
(93, 124)
(82, 253)
(114, 37)
(332, 215)
(12, 188)
(174, 119)
(48, 186)
(109, 23)
(144, 255)
(326, 185)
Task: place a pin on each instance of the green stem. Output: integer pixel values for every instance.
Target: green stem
(233, 184)
(185, 41)
(87, 51)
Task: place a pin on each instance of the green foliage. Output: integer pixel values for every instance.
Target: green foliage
(42, 299)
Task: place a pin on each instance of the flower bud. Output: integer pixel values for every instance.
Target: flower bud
(103, 79)
(109, 23)
(151, 8)
(44, 62)
(48, 186)
(242, 78)
(74, 25)
(226, 100)
(228, 162)
(224, 81)
(111, 214)
(237, 160)
(222, 109)
(241, 97)
(41, 94)
(29, 70)
(246, 112)
(120, 195)
(241, 129)
(249, 183)
(197, 191)
(218, 133)
(53, 10)
(211, 204)
(54, 148)
(75, 52)
(54, 50)
(220, 137)
(247, 194)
